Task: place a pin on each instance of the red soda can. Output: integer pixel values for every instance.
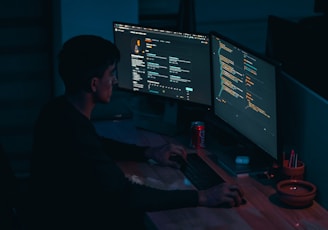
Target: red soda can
(197, 139)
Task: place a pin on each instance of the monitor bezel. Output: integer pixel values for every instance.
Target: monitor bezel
(278, 160)
(206, 106)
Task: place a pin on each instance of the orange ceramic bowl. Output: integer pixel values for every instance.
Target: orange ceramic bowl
(296, 193)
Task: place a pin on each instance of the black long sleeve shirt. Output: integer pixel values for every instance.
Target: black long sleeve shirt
(75, 181)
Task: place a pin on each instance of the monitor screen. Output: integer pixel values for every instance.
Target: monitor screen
(166, 70)
(245, 95)
(164, 64)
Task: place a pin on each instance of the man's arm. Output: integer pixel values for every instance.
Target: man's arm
(124, 151)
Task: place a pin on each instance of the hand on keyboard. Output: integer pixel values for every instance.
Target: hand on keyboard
(224, 194)
(197, 171)
(179, 160)
(213, 190)
(162, 154)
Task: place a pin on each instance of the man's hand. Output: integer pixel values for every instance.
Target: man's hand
(230, 195)
(161, 154)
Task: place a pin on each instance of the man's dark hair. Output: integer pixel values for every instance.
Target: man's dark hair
(83, 57)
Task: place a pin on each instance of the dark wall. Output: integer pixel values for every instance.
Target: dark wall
(26, 73)
(32, 31)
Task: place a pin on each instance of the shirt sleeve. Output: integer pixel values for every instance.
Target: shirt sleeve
(151, 199)
(123, 151)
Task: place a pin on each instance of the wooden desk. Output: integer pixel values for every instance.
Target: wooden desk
(262, 211)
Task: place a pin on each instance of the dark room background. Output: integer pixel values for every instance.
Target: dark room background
(32, 31)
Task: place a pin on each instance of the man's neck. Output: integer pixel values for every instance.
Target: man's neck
(83, 102)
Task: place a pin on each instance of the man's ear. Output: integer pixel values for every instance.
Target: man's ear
(93, 84)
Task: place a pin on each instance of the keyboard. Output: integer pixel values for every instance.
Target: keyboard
(198, 172)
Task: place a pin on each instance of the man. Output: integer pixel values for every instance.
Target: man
(75, 182)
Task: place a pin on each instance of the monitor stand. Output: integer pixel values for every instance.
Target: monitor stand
(157, 115)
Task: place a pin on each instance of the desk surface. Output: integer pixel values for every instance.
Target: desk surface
(262, 211)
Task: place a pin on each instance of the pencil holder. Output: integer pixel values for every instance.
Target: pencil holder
(292, 172)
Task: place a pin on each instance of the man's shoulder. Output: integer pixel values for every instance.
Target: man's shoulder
(53, 110)
(59, 101)
(56, 106)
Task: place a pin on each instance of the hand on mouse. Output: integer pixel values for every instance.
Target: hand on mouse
(161, 154)
(224, 194)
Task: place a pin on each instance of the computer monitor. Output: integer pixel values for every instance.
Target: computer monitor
(164, 66)
(245, 100)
